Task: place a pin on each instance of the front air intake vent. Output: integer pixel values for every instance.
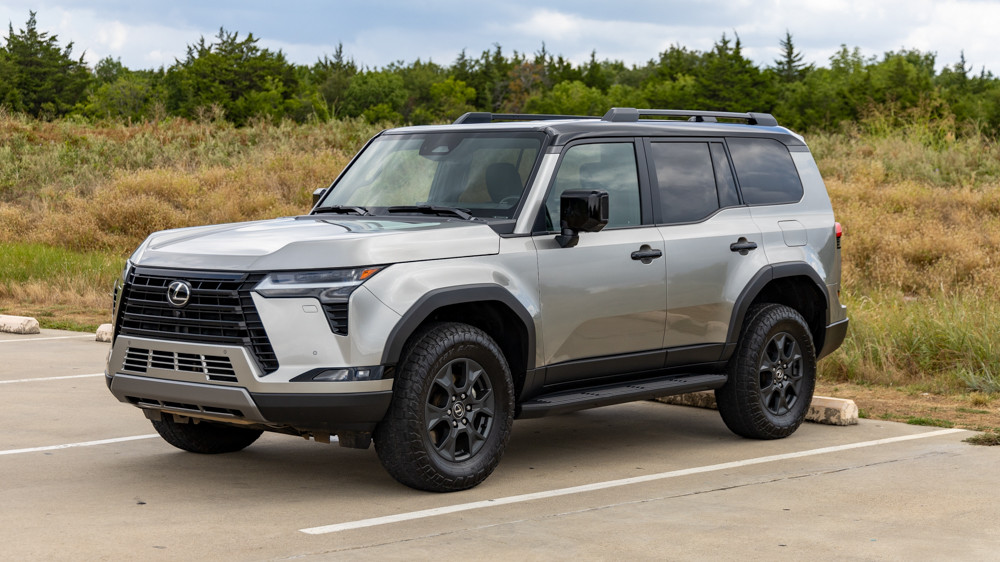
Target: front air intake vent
(215, 367)
(336, 315)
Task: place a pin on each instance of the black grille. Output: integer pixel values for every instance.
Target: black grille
(336, 315)
(220, 310)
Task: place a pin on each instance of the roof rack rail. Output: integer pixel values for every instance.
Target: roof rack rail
(486, 117)
(631, 114)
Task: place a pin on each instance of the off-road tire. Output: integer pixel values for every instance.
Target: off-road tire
(772, 374)
(451, 412)
(206, 438)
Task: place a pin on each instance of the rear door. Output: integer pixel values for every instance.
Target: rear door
(713, 246)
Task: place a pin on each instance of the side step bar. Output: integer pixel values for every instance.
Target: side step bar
(606, 395)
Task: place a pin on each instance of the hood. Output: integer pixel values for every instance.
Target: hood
(310, 242)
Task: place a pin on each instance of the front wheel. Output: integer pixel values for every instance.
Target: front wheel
(451, 411)
(771, 375)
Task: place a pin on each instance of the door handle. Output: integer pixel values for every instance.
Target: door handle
(645, 254)
(743, 246)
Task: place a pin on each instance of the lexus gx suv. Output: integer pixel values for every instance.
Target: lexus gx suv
(457, 277)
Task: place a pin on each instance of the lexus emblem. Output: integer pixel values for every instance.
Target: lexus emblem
(178, 293)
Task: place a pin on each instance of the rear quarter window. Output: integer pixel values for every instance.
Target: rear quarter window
(765, 171)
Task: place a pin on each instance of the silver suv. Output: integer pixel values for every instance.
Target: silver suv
(456, 277)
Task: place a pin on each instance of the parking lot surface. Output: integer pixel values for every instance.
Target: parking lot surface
(84, 477)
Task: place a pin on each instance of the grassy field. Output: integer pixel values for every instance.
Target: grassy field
(920, 206)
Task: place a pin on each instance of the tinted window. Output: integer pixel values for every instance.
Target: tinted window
(686, 180)
(609, 167)
(766, 172)
(728, 196)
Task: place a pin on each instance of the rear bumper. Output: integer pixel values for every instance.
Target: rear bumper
(835, 334)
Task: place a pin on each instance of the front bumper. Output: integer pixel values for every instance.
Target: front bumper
(224, 383)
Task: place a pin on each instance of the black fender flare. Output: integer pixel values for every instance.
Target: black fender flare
(447, 296)
(757, 283)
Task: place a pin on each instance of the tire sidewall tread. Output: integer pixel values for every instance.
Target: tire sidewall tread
(401, 440)
(739, 400)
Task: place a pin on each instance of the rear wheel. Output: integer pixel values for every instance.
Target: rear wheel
(451, 411)
(771, 375)
(205, 437)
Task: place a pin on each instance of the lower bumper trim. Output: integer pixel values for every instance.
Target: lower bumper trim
(835, 334)
(358, 411)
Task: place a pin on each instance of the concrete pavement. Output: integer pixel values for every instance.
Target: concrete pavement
(661, 483)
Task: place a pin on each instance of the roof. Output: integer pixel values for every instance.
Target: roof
(621, 122)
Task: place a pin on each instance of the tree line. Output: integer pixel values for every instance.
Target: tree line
(232, 77)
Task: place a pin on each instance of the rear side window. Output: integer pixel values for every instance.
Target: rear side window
(728, 196)
(685, 179)
(765, 171)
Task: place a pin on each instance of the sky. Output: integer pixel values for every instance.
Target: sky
(374, 33)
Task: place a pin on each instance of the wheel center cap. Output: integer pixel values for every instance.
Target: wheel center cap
(458, 410)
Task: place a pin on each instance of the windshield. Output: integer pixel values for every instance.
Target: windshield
(481, 173)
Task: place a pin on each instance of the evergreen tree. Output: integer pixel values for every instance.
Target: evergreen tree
(39, 76)
(332, 77)
(790, 67)
(729, 81)
(234, 75)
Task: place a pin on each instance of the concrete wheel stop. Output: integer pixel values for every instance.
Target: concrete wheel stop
(18, 325)
(823, 409)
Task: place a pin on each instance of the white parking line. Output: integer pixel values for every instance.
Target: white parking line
(388, 519)
(54, 378)
(72, 445)
(91, 336)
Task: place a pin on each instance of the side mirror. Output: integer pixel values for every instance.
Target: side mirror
(318, 194)
(581, 211)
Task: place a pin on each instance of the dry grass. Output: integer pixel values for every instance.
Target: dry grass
(105, 188)
(921, 216)
(920, 205)
(61, 287)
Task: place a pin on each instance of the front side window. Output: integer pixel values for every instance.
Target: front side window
(483, 173)
(609, 167)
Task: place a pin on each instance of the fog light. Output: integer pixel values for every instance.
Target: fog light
(333, 375)
(341, 374)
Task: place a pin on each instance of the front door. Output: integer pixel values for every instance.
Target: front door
(601, 300)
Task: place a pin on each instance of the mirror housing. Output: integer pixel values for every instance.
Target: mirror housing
(318, 194)
(581, 210)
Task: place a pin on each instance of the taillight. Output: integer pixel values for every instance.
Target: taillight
(840, 232)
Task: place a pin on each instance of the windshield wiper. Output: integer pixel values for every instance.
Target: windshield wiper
(431, 210)
(343, 210)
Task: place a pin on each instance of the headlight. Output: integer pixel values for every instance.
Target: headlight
(331, 285)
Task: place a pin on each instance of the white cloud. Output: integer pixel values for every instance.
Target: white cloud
(557, 25)
(113, 35)
(144, 45)
(949, 30)
(576, 37)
